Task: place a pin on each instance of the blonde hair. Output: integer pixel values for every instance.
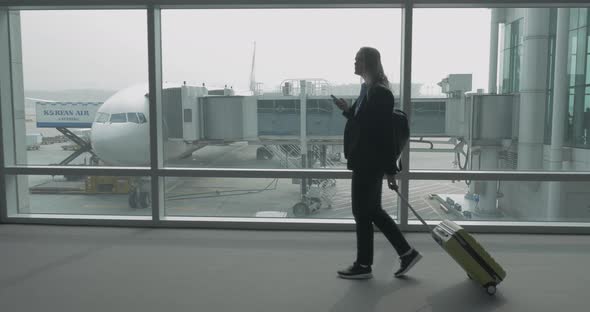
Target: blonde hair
(373, 66)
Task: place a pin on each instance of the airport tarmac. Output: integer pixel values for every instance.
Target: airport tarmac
(237, 197)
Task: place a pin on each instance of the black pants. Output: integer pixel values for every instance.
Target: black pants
(366, 208)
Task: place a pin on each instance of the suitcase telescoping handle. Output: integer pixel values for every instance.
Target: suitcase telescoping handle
(396, 189)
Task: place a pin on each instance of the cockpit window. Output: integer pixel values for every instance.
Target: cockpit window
(119, 118)
(102, 117)
(137, 118)
(132, 117)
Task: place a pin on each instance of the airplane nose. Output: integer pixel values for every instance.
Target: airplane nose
(121, 144)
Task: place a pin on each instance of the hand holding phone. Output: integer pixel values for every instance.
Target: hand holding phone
(391, 183)
(341, 103)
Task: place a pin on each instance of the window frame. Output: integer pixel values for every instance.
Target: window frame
(157, 171)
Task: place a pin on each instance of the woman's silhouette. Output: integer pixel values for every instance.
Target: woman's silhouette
(367, 147)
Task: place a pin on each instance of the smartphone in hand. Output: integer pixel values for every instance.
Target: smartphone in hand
(340, 103)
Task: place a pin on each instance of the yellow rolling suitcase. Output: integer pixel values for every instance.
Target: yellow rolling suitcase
(467, 252)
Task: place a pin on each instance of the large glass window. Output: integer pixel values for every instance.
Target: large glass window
(502, 131)
(250, 89)
(512, 53)
(481, 131)
(579, 82)
(76, 71)
(83, 195)
(500, 201)
(447, 61)
(245, 86)
(264, 198)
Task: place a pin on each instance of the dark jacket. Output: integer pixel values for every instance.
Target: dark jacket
(368, 135)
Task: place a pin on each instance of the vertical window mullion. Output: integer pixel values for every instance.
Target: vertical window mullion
(406, 97)
(155, 97)
(4, 78)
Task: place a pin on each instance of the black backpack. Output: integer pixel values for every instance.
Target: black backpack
(401, 136)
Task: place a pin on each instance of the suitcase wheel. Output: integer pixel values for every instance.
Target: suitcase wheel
(490, 289)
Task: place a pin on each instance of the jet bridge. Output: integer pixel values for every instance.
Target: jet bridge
(301, 129)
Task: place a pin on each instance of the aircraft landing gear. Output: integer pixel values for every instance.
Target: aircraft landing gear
(145, 199)
(139, 193)
(263, 154)
(307, 206)
(300, 210)
(133, 198)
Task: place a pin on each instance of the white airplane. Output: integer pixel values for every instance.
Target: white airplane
(120, 135)
(120, 131)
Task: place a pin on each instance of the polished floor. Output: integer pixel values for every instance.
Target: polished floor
(58, 268)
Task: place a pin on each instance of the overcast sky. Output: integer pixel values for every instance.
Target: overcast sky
(107, 49)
